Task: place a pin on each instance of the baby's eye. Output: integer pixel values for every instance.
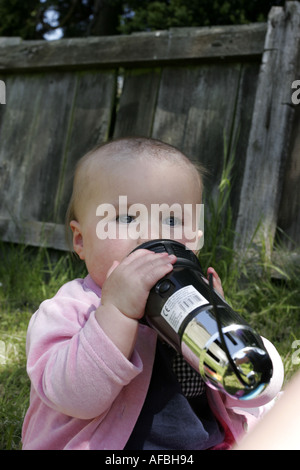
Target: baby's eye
(125, 219)
(172, 221)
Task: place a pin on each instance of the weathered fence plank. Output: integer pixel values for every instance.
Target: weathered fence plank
(26, 136)
(237, 145)
(34, 233)
(89, 126)
(179, 44)
(137, 103)
(272, 121)
(289, 210)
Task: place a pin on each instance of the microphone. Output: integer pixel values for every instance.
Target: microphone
(196, 321)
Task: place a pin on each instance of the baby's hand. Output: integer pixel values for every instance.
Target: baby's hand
(217, 284)
(128, 283)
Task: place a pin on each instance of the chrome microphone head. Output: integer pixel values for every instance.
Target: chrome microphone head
(192, 317)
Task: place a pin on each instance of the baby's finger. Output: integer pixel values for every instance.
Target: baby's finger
(140, 258)
(217, 284)
(148, 268)
(136, 255)
(155, 269)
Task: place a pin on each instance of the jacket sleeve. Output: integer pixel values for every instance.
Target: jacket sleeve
(73, 366)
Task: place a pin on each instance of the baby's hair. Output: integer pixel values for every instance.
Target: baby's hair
(128, 149)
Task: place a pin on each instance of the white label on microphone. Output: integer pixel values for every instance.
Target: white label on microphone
(180, 304)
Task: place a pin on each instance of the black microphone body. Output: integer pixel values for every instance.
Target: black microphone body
(188, 314)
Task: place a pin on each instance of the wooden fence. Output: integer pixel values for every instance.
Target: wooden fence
(189, 87)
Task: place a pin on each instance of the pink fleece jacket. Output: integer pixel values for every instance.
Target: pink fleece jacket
(86, 395)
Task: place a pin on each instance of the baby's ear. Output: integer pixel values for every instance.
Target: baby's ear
(77, 238)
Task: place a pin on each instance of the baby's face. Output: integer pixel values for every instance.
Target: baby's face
(132, 203)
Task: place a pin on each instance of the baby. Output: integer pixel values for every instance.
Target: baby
(100, 377)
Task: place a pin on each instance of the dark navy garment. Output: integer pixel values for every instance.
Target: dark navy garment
(168, 420)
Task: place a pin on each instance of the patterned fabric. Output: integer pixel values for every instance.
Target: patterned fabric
(191, 382)
(168, 419)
